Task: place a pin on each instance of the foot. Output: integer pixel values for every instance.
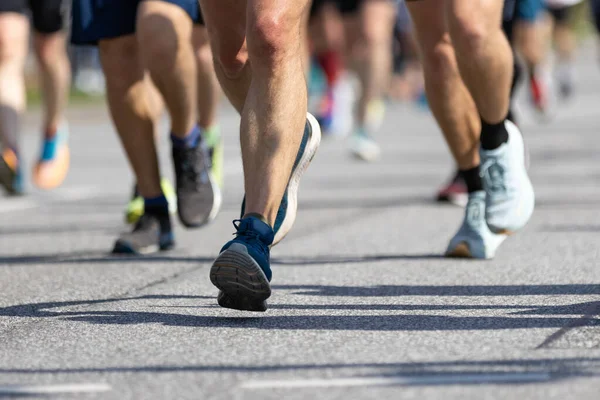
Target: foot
(375, 115)
(198, 195)
(289, 203)
(135, 207)
(474, 239)
(539, 95)
(454, 192)
(151, 233)
(242, 271)
(364, 146)
(509, 194)
(53, 165)
(11, 178)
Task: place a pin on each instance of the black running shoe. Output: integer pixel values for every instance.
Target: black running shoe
(150, 234)
(198, 195)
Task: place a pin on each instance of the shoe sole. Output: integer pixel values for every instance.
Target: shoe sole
(242, 282)
(462, 250)
(294, 183)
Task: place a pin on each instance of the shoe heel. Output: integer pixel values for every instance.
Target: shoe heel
(243, 284)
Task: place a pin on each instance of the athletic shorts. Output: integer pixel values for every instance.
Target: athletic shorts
(528, 10)
(48, 16)
(596, 13)
(95, 20)
(560, 14)
(345, 7)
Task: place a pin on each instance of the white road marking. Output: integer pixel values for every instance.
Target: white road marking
(77, 193)
(54, 389)
(17, 205)
(452, 379)
(36, 200)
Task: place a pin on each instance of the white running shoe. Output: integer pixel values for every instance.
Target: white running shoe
(510, 199)
(474, 239)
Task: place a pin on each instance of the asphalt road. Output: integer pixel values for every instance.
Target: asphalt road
(363, 306)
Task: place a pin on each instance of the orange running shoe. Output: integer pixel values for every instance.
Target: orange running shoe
(53, 165)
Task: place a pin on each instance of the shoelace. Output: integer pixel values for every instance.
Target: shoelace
(251, 236)
(493, 173)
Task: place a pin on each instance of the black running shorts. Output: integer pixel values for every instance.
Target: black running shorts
(48, 16)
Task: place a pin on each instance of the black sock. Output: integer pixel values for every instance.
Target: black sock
(472, 179)
(493, 135)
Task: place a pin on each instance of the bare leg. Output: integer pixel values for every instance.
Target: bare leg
(449, 99)
(129, 99)
(484, 56)
(373, 53)
(271, 94)
(164, 34)
(209, 90)
(14, 33)
(530, 43)
(55, 68)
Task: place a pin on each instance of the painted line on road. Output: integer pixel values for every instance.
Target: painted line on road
(54, 389)
(450, 379)
(17, 205)
(61, 195)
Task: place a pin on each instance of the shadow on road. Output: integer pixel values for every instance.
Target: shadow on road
(97, 257)
(408, 290)
(527, 317)
(478, 371)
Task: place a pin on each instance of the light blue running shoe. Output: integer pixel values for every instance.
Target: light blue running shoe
(474, 239)
(509, 194)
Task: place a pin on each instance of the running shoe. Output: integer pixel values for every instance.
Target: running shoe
(198, 195)
(151, 233)
(214, 143)
(510, 198)
(454, 192)
(375, 115)
(565, 76)
(242, 271)
(135, 207)
(364, 147)
(325, 114)
(288, 208)
(539, 95)
(11, 178)
(53, 164)
(474, 239)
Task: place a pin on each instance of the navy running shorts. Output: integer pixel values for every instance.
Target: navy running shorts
(48, 16)
(95, 20)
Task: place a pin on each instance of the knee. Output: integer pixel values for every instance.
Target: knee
(204, 56)
(50, 49)
(439, 59)
(120, 63)
(271, 39)
(158, 41)
(470, 34)
(231, 60)
(12, 51)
